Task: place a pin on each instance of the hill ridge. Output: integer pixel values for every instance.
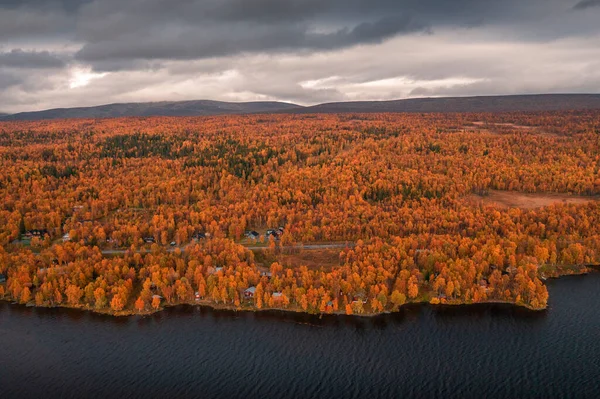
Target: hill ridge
(505, 103)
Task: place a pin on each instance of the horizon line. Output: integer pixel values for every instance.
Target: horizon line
(4, 113)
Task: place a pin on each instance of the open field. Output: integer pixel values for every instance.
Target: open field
(315, 259)
(513, 199)
(508, 125)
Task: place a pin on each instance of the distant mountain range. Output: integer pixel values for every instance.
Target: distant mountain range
(539, 102)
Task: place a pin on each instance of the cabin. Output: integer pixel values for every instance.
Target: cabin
(2, 278)
(199, 236)
(149, 240)
(253, 235)
(36, 233)
(276, 233)
(277, 296)
(266, 274)
(197, 296)
(215, 270)
(66, 237)
(249, 292)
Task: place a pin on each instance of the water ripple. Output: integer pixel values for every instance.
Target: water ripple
(491, 351)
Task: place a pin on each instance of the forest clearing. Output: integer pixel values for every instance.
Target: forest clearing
(511, 199)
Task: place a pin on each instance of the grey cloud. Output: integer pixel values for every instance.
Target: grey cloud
(222, 41)
(584, 4)
(263, 11)
(18, 58)
(504, 87)
(368, 32)
(7, 80)
(126, 35)
(16, 84)
(303, 51)
(44, 22)
(114, 33)
(68, 5)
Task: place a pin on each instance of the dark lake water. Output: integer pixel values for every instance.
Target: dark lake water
(487, 351)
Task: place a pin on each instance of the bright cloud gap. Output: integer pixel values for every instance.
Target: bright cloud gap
(81, 77)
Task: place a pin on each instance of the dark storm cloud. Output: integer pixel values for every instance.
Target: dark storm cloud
(269, 11)
(22, 24)
(41, 19)
(114, 33)
(582, 5)
(192, 30)
(224, 41)
(18, 58)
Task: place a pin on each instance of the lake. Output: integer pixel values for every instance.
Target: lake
(492, 351)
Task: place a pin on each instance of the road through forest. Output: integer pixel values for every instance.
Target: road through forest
(315, 246)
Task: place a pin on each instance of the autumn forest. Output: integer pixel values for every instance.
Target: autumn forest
(340, 213)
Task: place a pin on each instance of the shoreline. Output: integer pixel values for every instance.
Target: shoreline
(221, 306)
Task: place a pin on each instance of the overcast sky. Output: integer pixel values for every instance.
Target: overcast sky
(64, 53)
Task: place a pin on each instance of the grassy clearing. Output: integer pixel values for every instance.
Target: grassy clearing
(316, 259)
(513, 199)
